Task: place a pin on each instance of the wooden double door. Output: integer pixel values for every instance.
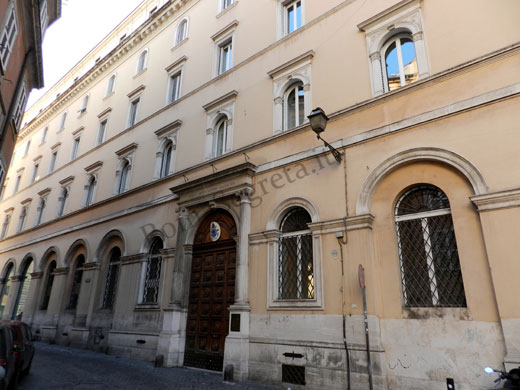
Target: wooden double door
(212, 291)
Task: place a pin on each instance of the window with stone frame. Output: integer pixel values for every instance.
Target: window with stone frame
(142, 61)
(76, 282)
(295, 257)
(90, 190)
(182, 31)
(396, 47)
(8, 35)
(112, 277)
(49, 281)
(5, 225)
(219, 134)
(152, 278)
(430, 269)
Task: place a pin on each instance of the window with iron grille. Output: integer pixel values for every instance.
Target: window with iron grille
(76, 283)
(429, 260)
(153, 273)
(112, 276)
(295, 260)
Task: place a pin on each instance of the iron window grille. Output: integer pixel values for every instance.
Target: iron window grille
(111, 282)
(429, 260)
(48, 286)
(76, 283)
(295, 262)
(153, 274)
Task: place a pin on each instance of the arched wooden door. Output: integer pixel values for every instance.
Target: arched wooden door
(212, 291)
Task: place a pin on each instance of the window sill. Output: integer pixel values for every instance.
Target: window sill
(295, 304)
(225, 10)
(147, 307)
(175, 46)
(449, 313)
(109, 95)
(139, 74)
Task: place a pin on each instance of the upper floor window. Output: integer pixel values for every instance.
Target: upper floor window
(225, 59)
(166, 149)
(35, 175)
(44, 134)
(142, 61)
(293, 16)
(124, 177)
(62, 201)
(84, 104)
(27, 146)
(221, 137)
(226, 3)
(20, 107)
(111, 280)
(52, 163)
(182, 31)
(22, 219)
(40, 210)
(429, 259)
(8, 34)
(396, 47)
(400, 61)
(102, 129)
(295, 259)
(174, 87)
(111, 85)
(17, 182)
(124, 168)
(166, 159)
(75, 147)
(133, 111)
(5, 226)
(63, 118)
(90, 190)
(294, 106)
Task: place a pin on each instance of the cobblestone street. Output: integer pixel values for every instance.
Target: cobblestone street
(57, 367)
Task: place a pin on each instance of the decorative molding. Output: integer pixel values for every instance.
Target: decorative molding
(9, 210)
(67, 180)
(175, 64)
(127, 149)
(44, 192)
(360, 222)
(26, 201)
(61, 271)
(307, 56)
(76, 132)
(169, 127)
(104, 112)
(384, 14)
(55, 146)
(221, 100)
(91, 266)
(136, 91)
(36, 275)
(264, 237)
(133, 259)
(37, 158)
(215, 37)
(94, 167)
(497, 200)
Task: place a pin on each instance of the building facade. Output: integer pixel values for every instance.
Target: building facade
(170, 202)
(22, 28)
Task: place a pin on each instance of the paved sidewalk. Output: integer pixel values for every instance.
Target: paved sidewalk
(57, 367)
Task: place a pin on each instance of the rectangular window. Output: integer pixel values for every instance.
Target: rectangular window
(52, 164)
(44, 135)
(226, 3)
(133, 112)
(75, 148)
(293, 16)
(101, 132)
(225, 57)
(17, 183)
(35, 176)
(84, 104)
(62, 121)
(27, 146)
(8, 36)
(43, 16)
(175, 87)
(20, 107)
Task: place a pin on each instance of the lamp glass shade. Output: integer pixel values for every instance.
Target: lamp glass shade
(318, 120)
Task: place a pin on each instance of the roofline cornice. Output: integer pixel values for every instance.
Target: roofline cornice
(169, 9)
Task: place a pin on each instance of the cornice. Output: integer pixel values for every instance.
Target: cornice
(169, 127)
(497, 200)
(176, 63)
(127, 149)
(95, 166)
(104, 112)
(67, 180)
(44, 192)
(115, 55)
(225, 30)
(220, 100)
(307, 56)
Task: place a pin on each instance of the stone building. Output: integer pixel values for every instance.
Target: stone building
(169, 200)
(22, 28)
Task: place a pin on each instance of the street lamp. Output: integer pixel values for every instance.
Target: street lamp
(318, 120)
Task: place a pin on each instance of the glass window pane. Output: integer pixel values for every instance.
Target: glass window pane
(290, 19)
(409, 60)
(392, 68)
(298, 14)
(301, 107)
(291, 109)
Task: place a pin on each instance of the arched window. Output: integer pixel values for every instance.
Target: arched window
(62, 201)
(221, 136)
(40, 210)
(400, 62)
(111, 85)
(124, 177)
(295, 261)
(112, 276)
(153, 273)
(5, 226)
(141, 61)
(6, 286)
(49, 280)
(430, 268)
(182, 32)
(76, 282)
(23, 290)
(166, 159)
(91, 188)
(294, 106)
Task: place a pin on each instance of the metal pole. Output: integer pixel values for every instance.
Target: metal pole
(368, 339)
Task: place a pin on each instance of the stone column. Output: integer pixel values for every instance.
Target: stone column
(52, 316)
(377, 77)
(236, 351)
(278, 115)
(421, 54)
